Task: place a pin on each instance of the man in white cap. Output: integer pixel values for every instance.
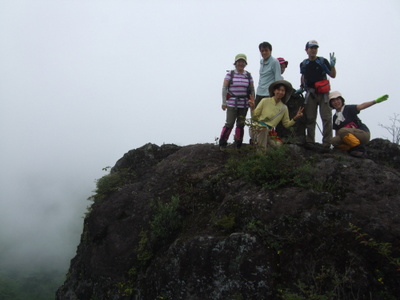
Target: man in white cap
(314, 71)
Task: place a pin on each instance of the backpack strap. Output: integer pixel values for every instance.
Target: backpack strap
(249, 90)
(248, 77)
(319, 60)
(231, 80)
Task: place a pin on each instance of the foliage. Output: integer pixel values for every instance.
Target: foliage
(165, 222)
(329, 283)
(274, 169)
(166, 219)
(393, 128)
(144, 253)
(110, 183)
(384, 249)
(226, 222)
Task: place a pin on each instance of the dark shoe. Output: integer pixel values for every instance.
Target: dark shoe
(237, 144)
(326, 145)
(309, 146)
(317, 147)
(358, 151)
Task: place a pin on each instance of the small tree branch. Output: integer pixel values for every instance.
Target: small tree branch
(393, 128)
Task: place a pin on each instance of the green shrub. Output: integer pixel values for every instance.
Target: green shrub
(144, 253)
(166, 220)
(164, 224)
(274, 169)
(110, 183)
(226, 222)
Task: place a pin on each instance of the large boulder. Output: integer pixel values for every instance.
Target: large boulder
(184, 224)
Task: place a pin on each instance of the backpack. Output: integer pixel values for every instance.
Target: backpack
(248, 77)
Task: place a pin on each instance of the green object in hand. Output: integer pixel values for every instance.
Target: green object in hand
(381, 98)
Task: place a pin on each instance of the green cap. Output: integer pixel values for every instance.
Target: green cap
(241, 56)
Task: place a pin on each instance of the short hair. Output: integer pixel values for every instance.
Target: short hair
(278, 86)
(340, 97)
(265, 45)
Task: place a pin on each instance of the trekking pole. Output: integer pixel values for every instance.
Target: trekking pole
(319, 128)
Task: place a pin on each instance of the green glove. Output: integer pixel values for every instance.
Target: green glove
(381, 98)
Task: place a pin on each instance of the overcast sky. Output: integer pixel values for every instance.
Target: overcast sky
(84, 81)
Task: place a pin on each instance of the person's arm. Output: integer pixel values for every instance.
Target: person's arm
(332, 64)
(252, 92)
(370, 103)
(224, 93)
(286, 122)
(252, 102)
(299, 113)
(302, 85)
(333, 72)
(365, 105)
(255, 111)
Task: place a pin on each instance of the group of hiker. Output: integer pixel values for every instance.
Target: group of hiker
(268, 103)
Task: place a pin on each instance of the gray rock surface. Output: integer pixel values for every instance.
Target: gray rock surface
(180, 225)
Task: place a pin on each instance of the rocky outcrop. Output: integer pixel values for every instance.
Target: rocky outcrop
(193, 222)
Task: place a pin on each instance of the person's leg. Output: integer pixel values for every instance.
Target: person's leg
(311, 113)
(260, 138)
(240, 123)
(231, 115)
(350, 142)
(362, 135)
(338, 141)
(326, 116)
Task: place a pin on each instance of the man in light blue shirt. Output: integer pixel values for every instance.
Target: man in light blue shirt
(270, 71)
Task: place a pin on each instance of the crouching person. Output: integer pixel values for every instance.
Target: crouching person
(351, 133)
(269, 112)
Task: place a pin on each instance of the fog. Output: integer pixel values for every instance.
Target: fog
(83, 82)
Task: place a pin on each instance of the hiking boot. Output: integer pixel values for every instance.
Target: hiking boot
(237, 144)
(317, 147)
